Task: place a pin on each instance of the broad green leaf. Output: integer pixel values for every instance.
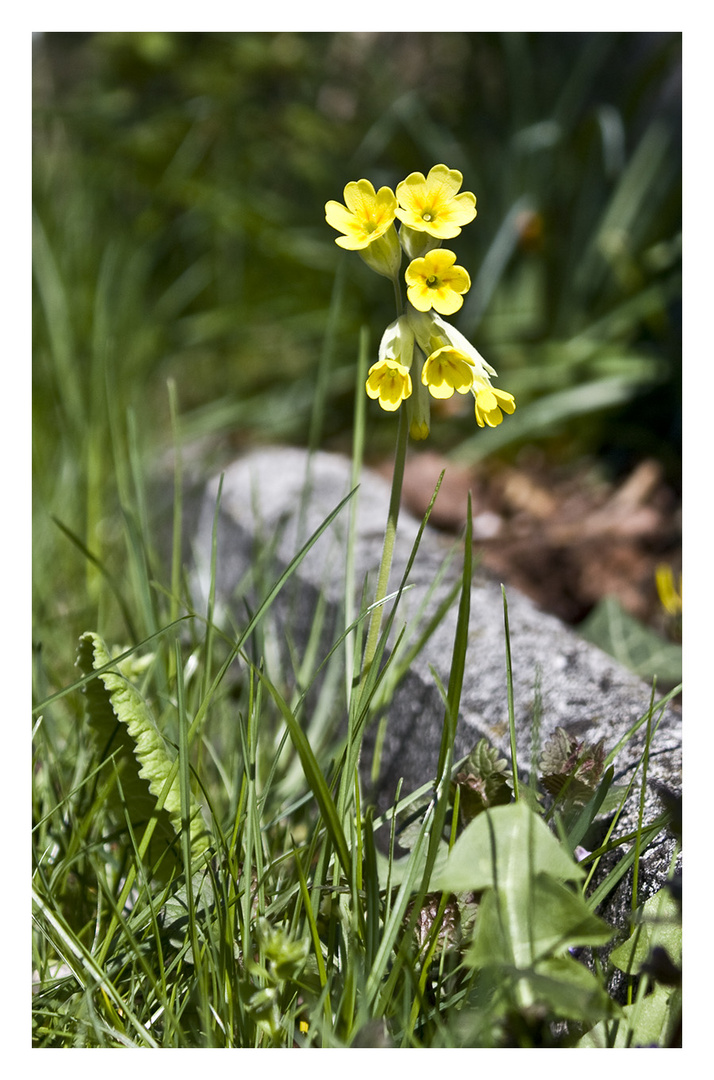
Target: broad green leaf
(530, 920)
(503, 847)
(124, 728)
(569, 989)
(634, 645)
(652, 1021)
(660, 925)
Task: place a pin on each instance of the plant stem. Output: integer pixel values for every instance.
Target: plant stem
(385, 566)
(390, 534)
(398, 296)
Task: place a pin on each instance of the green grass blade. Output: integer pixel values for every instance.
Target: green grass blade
(314, 776)
(511, 711)
(86, 964)
(357, 458)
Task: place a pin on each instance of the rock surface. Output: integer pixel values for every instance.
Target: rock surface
(571, 683)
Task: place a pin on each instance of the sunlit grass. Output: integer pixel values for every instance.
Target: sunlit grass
(297, 928)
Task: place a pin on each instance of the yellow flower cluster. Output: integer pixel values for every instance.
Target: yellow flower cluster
(420, 354)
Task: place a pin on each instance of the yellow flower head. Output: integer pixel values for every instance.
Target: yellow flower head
(432, 204)
(366, 217)
(491, 404)
(434, 282)
(446, 370)
(389, 382)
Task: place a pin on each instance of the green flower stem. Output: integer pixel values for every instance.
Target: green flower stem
(398, 296)
(354, 748)
(353, 751)
(390, 535)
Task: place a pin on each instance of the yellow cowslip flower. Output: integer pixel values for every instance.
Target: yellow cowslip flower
(454, 364)
(435, 282)
(670, 597)
(431, 204)
(389, 382)
(367, 215)
(390, 379)
(446, 370)
(490, 403)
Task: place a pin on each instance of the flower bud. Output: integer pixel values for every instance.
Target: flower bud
(418, 406)
(417, 244)
(398, 342)
(389, 381)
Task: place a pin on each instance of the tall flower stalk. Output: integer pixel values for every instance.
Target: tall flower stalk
(420, 356)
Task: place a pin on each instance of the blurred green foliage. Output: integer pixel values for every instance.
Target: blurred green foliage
(179, 236)
(179, 187)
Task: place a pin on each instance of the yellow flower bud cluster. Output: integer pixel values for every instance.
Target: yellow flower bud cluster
(420, 355)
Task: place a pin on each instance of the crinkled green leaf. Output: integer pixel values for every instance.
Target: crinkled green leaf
(124, 728)
(571, 766)
(482, 781)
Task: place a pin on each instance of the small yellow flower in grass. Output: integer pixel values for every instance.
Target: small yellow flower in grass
(366, 217)
(432, 204)
(389, 382)
(435, 282)
(446, 370)
(491, 404)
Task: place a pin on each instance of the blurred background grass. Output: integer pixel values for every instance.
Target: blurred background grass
(179, 235)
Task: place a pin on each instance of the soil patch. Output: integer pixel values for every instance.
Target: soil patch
(562, 535)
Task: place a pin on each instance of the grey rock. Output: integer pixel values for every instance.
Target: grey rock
(272, 500)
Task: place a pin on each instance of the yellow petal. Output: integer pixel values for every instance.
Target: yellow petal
(446, 302)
